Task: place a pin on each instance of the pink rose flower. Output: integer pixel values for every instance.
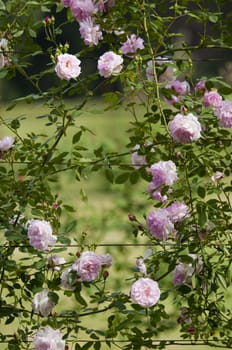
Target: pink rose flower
(224, 114)
(40, 234)
(212, 98)
(83, 9)
(181, 88)
(183, 272)
(177, 211)
(217, 176)
(185, 128)
(90, 33)
(6, 143)
(48, 339)
(106, 260)
(156, 194)
(66, 3)
(163, 173)
(109, 64)
(132, 44)
(104, 5)
(87, 266)
(145, 292)
(159, 224)
(67, 66)
(42, 304)
(137, 160)
(200, 86)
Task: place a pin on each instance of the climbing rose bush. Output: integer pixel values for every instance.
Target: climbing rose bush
(170, 168)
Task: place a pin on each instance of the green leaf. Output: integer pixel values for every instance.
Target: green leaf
(202, 216)
(63, 240)
(201, 191)
(213, 18)
(2, 5)
(97, 345)
(69, 208)
(18, 33)
(54, 297)
(87, 345)
(134, 177)
(221, 280)
(76, 137)
(122, 178)
(7, 310)
(70, 227)
(3, 73)
(83, 195)
(80, 299)
(109, 175)
(40, 264)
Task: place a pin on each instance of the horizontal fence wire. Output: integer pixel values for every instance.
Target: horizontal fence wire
(169, 342)
(156, 59)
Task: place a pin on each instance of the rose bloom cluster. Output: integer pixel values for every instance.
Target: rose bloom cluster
(40, 234)
(85, 12)
(222, 108)
(109, 63)
(163, 173)
(87, 268)
(161, 222)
